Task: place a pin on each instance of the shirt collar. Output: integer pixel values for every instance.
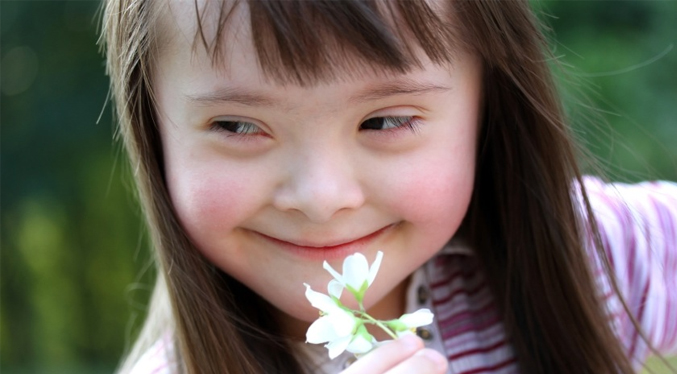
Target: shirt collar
(456, 246)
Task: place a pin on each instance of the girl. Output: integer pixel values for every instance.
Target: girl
(268, 136)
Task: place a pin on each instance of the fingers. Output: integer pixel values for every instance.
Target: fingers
(426, 360)
(386, 356)
(403, 356)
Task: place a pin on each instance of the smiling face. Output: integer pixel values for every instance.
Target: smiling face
(269, 180)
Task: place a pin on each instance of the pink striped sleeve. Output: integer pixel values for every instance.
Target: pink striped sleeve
(638, 227)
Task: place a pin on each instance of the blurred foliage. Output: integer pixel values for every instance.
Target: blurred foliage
(72, 244)
(74, 254)
(617, 66)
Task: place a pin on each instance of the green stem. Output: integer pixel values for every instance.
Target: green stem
(379, 324)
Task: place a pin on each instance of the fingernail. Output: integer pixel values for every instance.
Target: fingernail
(409, 341)
(434, 356)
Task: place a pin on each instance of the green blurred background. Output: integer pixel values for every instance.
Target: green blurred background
(75, 263)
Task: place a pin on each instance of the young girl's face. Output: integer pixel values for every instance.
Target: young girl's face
(270, 180)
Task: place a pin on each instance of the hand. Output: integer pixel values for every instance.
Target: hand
(405, 355)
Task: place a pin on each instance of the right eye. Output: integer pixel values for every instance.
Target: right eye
(236, 127)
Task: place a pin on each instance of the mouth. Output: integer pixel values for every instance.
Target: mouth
(329, 249)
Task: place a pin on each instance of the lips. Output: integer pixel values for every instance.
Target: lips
(326, 250)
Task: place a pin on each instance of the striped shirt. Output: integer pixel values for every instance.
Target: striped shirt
(638, 228)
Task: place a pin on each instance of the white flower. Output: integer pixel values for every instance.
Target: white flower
(419, 318)
(362, 342)
(336, 326)
(344, 329)
(410, 321)
(357, 275)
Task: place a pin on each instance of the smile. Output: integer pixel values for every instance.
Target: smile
(327, 250)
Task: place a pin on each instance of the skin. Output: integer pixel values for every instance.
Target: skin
(270, 180)
(403, 356)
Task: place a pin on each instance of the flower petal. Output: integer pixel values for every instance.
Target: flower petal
(319, 300)
(343, 322)
(336, 347)
(359, 345)
(321, 331)
(420, 317)
(374, 267)
(335, 288)
(355, 270)
(333, 272)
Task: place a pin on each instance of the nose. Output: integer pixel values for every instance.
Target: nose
(320, 184)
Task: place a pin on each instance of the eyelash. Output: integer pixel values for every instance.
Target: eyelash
(410, 123)
(395, 123)
(251, 129)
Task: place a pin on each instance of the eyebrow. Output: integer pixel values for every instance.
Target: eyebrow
(403, 87)
(243, 96)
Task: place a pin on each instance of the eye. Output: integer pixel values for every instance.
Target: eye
(389, 123)
(236, 127)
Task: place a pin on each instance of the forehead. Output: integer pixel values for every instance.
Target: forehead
(305, 43)
(195, 28)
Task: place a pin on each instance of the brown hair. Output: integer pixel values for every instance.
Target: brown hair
(537, 264)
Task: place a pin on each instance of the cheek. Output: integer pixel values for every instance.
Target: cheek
(435, 187)
(210, 199)
(436, 200)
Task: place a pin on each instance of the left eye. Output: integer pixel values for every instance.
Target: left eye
(236, 127)
(386, 123)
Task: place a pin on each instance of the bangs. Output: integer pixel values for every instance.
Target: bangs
(305, 42)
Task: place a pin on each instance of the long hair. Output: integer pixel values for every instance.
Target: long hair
(523, 221)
